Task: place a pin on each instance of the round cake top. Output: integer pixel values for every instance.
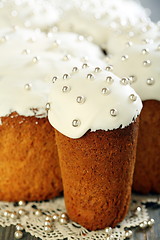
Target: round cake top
(91, 99)
(99, 18)
(137, 57)
(28, 61)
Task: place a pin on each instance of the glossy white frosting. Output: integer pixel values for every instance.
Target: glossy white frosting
(99, 18)
(31, 57)
(141, 47)
(94, 110)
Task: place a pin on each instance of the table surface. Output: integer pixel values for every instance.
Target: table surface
(149, 234)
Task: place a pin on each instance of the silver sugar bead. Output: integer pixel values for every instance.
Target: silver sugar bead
(105, 91)
(76, 123)
(54, 79)
(75, 69)
(111, 237)
(3, 39)
(109, 80)
(109, 68)
(108, 230)
(85, 65)
(18, 234)
(137, 210)
(47, 223)
(97, 69)
(150, 81)
(151, 222)
(129, 44)
(90, 76)
(124, 58)
(145, 51)
(113, 112)
(7, 213)
(38, 212)
(21, 203)
(66, 89)
(128, 234)
(26, 51)
(19, 227)
(66, 57)
(124, 81)
(35, 60)
(22, 212)
(63, 215)
(63, 221)
(80, 38)
(133, 97)
(132, 79)
(56, 43)
(143, 225)
(80, 99)
(27, 86)
(47, 229)
(13, 215)
(84, 59)
(66, 76)
(147, 63)
(55, 216)
(48, 218)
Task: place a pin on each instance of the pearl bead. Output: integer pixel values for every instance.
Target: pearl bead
(97, 69)
(56, 43)
(145, 51)
(22, 212)
(129, 44)
(150, 81)
(18, 234)
(124, 58)
(111, 237)
(48, 218)
(66, 76)
(90, 76)
(85, 65)
(80, 99)
(47, 229)
(19, 227)
(54, 79)
(109, 79)
(14, 215)
(47, 223)
(63, 221)
(151, 222)
(109, 68)
(108, 230)
(55, 217)
(113, 112)
(147, 63)
(132, 79)
(137, 210)
(26, 51)
(128, 234)
(35, 60)
(66, 57)
(143, 225)
(7, 213)
(27, 86)
(76, 123)
(75, 69)
(105, 91)
(124, 81)
(38, 212)
(133, 97)
(66, 89)
(64, 215)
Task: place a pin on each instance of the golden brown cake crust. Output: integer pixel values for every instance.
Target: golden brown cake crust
(97, 172)
(29, 166)
(147, 169)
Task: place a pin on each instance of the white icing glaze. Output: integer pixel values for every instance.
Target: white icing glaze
(94, 112)
(99, 18)
(143, 47)
(30, 57)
